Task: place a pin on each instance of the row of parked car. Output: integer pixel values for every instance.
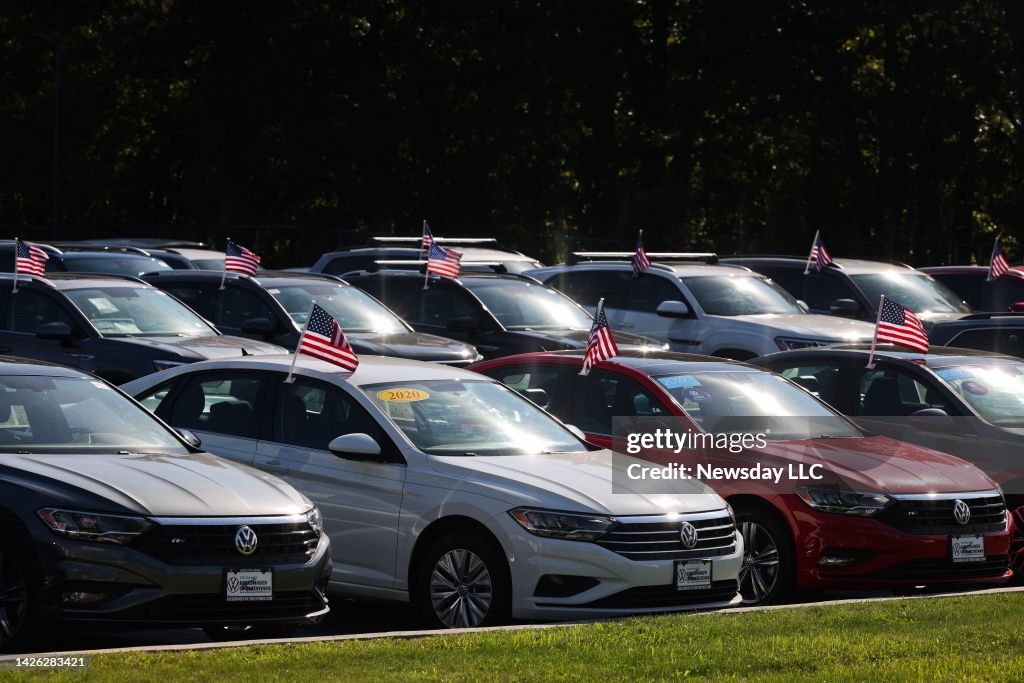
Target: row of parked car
(480, 485)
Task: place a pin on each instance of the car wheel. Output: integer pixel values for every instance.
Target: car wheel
(221, 634)
(768, 571)
(18, 599)
(463, 582)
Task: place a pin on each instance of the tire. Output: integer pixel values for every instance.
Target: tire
(221, 634)
(19, 599)
(768, 573)
(462, 581)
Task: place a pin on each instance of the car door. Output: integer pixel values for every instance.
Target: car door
(820, 290)
(224, 408)
(684, 333)
(828, 379)
(24, 312)
(360, 500)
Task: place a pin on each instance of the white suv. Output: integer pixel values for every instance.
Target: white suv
(444, 487)
(700, 307)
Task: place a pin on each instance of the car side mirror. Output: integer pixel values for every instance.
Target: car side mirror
(190, 438)
(803, 305)
(930, 417)
(845, 307)
(464, 323)
(261, 326)
(356, 446)
(1017, 307)
(672, 309)
(577, 432)
(58, 330)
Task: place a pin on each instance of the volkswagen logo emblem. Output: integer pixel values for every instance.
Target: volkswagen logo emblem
(688, 535)
(961, 512)
(245, 540)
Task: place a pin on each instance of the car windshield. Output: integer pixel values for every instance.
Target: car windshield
(917, 291)
(471, 417)
(114, 265)
(752, 402)
(740, 295)
(995, 392)
(522, 305)
(354, 310)
(137, 311)
(61, 414)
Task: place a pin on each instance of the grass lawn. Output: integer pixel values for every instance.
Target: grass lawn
(968, 638)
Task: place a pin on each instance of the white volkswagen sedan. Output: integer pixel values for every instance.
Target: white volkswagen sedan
(443, 487)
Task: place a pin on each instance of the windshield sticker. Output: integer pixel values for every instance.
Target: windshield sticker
(973, 387)
(697, 396)
(103, 305)
(678, 381)
(99, 385)
(402, 395)
(952, 374)
(274, 291)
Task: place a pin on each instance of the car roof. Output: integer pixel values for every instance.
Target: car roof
(937, 356)
(468, 253)
(196, 253)
(63, 281)
(10, 365)
(265, 278)
(677, 268)
(371, 370)
(95, 253)
(847, 265)
(654, 363)
(463, 277)
(978, 271)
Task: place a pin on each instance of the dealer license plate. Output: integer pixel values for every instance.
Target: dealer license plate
(693, 574)
(968, 548)
(249, 585)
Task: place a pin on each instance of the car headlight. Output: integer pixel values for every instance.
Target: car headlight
(91, 526)
(789, 343)
(860, 504)
(568, 526)
(316, 522)
(162, 365)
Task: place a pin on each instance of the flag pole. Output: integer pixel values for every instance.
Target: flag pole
(224, 275)
(17, 240)
(295, 356)
(597, 315)
(426, 274)
(874, 339)
(422, 234)
(807, 268)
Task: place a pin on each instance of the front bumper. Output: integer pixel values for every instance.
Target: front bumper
(623, 586)
(140, 590)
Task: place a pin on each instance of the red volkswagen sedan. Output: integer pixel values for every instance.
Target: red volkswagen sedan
(821, 503)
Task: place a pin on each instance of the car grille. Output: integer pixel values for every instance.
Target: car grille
(922, 571)
(291, 542)
(934, 515)
(651, 597)
(659, 539)
(206, 609)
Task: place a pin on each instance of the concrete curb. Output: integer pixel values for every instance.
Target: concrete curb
(408, 635)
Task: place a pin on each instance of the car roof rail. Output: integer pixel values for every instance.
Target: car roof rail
(586, 256)
(496, 266)
(416, 239)
(989, 315)
(792, 257)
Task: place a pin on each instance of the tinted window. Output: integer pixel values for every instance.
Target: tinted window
(353, 308)
(518, 304)
(239, 304)
(311, 414)
(114, 265)
(221, 403)
(1001, 293)
(28, 309)
(539, 383)
(434, 306)
(821, 289)
(587, 287)
(967, 287)
(823, 381)
(601, 395)
(1009, 341)
(346, 264)
(918, 292)
(132, 311)
(889, 391)
(649, 291)
(790, 279)
(740, 295)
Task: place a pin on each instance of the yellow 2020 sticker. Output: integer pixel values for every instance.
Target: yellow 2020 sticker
(402, 395)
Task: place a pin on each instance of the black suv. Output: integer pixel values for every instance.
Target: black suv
(111, 518)
(501, 314)
(105, 261)
(275, 307)
(116, 328)
(852, 287)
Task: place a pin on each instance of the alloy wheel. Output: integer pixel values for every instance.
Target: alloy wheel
(760, 570)
(13, 599)
(460, 589)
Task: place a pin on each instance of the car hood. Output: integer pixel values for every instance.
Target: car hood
(579, 482)
(413, 345)
(195, 485)
(878, 463)
(813, 326)
(212, 347)
(559, 340)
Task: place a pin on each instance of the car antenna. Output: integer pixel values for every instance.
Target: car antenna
(245, 353)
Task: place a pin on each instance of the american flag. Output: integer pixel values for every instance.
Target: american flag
(601, 344)
(30, 259)
(444, 262)
(899, 325)
(999, 266)
(640, 260)
(238, 259)
(428, 237)
(819, 254)
(324, 339)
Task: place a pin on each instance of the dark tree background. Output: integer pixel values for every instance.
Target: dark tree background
(894, 126)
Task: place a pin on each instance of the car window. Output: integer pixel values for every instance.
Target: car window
(887, 391)
(821, 380)
(967, 286)
(346, 264)
(1001, 293)
(520, 305)
(649, 291)
(539, 383)
(354, 309)
(136, 311)
(59, 414)
(996, 392)
(221, 403)
(439, 304)
(239, 304)
(311, 414)
(587, 287)
(821, 289)
(28, 309)
(204, 299)
(602, 395)
(728, 295)
(155, 400)
(917, 291)
(133, 266)
(997, 340)
(790, 279)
